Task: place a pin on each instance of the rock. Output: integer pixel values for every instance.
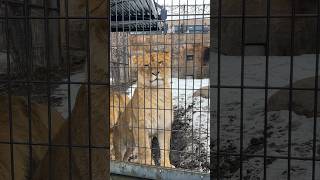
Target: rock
(302, 100)
(202, 92)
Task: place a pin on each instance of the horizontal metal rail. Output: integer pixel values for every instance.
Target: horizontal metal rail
(153, 172)
(30, 5)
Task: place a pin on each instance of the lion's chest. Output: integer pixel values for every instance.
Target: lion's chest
(154, 110)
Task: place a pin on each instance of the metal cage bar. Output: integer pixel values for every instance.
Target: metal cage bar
(159, 89)
(246, 76)
(181, 35)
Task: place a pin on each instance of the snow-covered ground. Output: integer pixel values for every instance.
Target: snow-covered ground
(253, 118)
(192, 120)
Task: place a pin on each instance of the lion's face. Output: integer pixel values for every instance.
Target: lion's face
(154, 69)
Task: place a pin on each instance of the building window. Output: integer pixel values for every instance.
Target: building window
(190, 57)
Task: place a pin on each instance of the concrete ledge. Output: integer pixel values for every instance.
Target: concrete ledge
(152, 172)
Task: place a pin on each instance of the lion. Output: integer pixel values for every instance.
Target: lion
(148, 113)
(16, 125)
(87, 157)
(118, 102)
(87, 154)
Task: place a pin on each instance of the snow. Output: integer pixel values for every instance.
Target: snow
(192, 113)
(253, 118)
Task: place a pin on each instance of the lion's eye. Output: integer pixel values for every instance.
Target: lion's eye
(160, 63)
(146, 65)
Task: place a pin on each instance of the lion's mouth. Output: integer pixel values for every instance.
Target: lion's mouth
(157, 79)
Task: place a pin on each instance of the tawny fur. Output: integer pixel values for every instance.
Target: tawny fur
(118, 102)
(148, 113)
(79, 164)
(20, 122)
(88, 160)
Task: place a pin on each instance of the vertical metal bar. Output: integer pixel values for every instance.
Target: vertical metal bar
(193, 74)
(88, 51)
(107, 20)
(122, 53)
(136, 20)
(107, 84)
(9, 90)
(171, 66)
(129, 63)
(164, 90)
(28, 44)
(59, 31)
(201, 74)
(243, 35)
(116, 35)
(290, 88)
(179, 49)
(157, 46)
(219, 88)
(113, 84)
(144, 84)
(185, 19)
(315, 108)
(156, 36)
(265, 131)
(48, 66)
(67, 31)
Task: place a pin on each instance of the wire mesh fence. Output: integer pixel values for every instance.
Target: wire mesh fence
(160, 80)
(54, 89)
(56, 77)
(265, 90)
(189, 87)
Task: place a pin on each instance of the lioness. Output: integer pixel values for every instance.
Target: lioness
(18, 120)
(118, 102)
(89, 154)
(148, 113)
(89, 158)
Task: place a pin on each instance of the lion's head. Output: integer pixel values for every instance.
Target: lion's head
(154, 69)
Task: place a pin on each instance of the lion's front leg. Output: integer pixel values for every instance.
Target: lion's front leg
(143, 149)
(164, 138)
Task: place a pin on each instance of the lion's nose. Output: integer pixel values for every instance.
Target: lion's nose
(155, 74)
